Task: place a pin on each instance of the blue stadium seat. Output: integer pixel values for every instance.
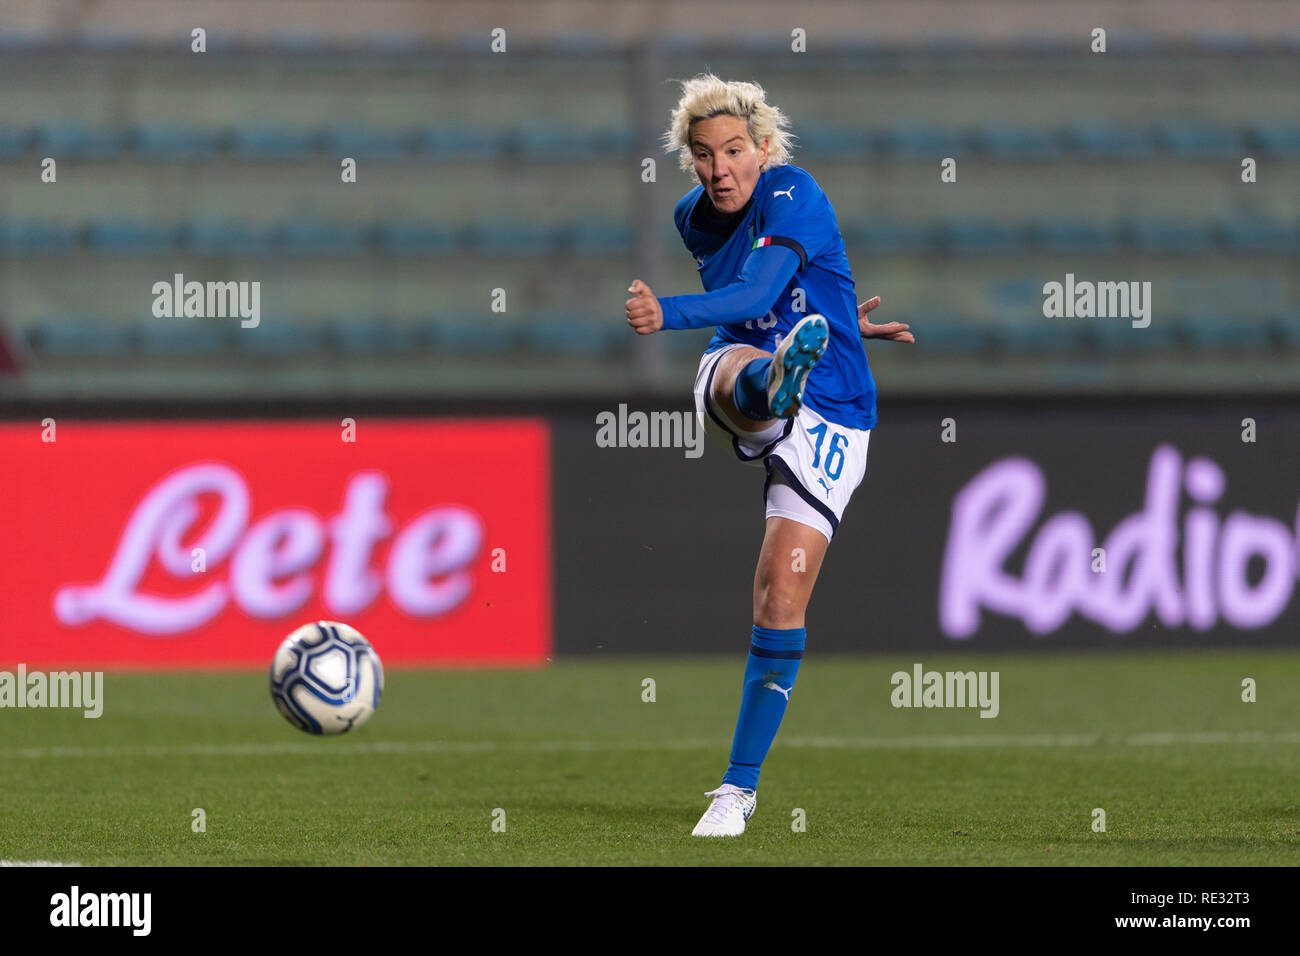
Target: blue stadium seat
(587, 238)
(182, 336)
(21, 41)
(72, 139)
(223, 238)
(1256, 235)
(365, 142)
(980, 237)
(917, 141)
(1286, 327)
(365, 335)
(167, 143)
(278, 336)
(1119, 336)
(615, 140)
(27, 238)
(272, 141)
(1106, 141)
(560, 334)
(401, 239)
(14, 142)
(129, 237)
(547, 142)
(1167, 237)
(311, 237)
(1037, 335)
(1016, 143)
(949, 335)
(836, 143)
(1023, 297)
(1193, 140)
(490, 334)
(79, 336)
(1224, 332)
(1277, 139)
(884, 237)
(452, 143)
(1059, 235)
(512, 238)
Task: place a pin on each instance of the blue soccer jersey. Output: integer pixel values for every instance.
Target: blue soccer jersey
(745, 262)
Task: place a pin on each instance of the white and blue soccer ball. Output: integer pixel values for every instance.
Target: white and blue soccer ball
(326, 678)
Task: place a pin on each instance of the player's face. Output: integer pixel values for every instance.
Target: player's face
(726, 160)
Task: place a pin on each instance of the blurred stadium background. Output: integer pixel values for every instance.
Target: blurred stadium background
(476, 429)
(522, 171)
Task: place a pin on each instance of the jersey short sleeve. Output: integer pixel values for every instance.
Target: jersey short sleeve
(795, 213)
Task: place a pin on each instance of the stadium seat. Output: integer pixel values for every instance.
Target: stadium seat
(277, 336)
(309, 237)
(1277, 139)
(184, 336)
(223, 238)
(14, 142)
(78, 141)
(1223, 332)
(545, 142)
(916, 141)
(883, 237)
(950, 335)
(1166, 237)
(364, 335)
(1106, 141)
(365, 142)
(837, 143)
(980, 237)
(271, 141)
(1286, 328)
(1016, 143)
(559, 333)
(1037, 335)
(401, 239)
(1192, 140)
(166, 143)
(587, 238)
(1119, 336)
(1057, 236)
(512, 238)
(451, 143)
(79, 336)
(27, 238)
(128, 237)
(486, 335)
(1246, 236)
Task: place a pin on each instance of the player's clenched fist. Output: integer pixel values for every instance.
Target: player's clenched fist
(643, 311)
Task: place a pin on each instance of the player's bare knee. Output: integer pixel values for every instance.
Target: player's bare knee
(779, 607)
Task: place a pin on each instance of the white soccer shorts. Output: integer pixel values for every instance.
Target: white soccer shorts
(813, 466)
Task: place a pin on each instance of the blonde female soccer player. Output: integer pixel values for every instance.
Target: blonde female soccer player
(784, 382)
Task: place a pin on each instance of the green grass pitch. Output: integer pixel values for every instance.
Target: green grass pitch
(587, 773)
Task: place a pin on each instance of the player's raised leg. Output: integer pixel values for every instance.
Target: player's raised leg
(788, 565)
(754, 388)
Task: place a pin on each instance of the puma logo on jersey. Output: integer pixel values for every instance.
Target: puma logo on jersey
(787, 193)
(785, 691)
(822, 482)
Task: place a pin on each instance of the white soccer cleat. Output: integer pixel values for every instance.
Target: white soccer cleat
(727, 814)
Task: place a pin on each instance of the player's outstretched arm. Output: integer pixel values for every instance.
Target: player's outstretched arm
(893, 331)
(644, 313)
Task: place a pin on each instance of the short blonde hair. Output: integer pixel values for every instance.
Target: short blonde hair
(705, 96)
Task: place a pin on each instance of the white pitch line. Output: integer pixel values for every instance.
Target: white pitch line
(35, 863)
(942, 742)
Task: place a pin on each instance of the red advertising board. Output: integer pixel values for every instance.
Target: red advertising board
(193, 544)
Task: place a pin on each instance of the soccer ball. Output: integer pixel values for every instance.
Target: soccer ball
(326, 678)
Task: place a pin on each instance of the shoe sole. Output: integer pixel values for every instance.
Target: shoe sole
(798, 353)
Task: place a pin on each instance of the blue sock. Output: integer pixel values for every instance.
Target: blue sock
(750, 393)
(774, 657)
